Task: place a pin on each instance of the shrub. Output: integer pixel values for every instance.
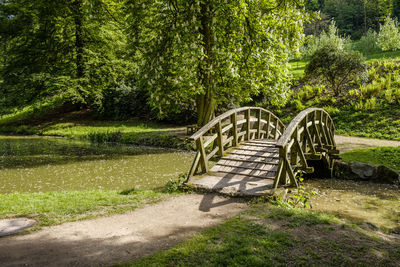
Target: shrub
(389, 37)
(368, 43)
(336, 66)
(313, 43)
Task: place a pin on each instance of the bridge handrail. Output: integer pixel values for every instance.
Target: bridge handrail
(310, 135)
(294, 124)
(225, 115)
(232, 133)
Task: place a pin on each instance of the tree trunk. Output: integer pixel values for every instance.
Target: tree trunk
(79, 42)
(205, 102)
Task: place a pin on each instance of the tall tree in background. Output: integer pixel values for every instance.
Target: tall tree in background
(74, 48)
(213, 52)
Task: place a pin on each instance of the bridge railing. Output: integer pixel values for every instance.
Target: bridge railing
(229, 130)
(309, 136)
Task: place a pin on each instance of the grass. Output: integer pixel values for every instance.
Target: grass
(388, 156)
(382, 122)
(135, 132)
(52, 208)
(274, 236)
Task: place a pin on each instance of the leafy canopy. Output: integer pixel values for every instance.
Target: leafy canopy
(194, 53)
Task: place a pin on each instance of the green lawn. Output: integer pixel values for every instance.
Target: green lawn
(52, 208)
(388, 156)
(273, 236)
(381, 122)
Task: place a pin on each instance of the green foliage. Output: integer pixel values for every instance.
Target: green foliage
(336, 66)
(388, 38)
(177, 185)
(72, 48)
(105, 137)
(208, 53)
(332, 37)
(368, 43)
(388, 156)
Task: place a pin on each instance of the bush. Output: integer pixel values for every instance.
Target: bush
(389, 37)
(368, 43)
(336, 66)
(124, 100)
(313, 43)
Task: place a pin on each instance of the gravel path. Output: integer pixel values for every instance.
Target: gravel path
(119, 238)
(346, 143)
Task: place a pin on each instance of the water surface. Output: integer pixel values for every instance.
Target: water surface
(38, 164)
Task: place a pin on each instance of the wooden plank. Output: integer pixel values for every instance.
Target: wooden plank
(209, 139)
(228, 140)
(212, 153)
(258, 148)
(254, 153)
(254, 149)
(262, 141)
(271, 159)
(248, 165)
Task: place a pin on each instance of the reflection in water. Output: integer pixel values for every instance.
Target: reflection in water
(359, 201)
(33, 164)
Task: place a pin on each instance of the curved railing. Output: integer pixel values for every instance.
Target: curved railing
(231, 128)
(309, 136)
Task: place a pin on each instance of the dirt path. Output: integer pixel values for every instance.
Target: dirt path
(346, 143)
(118, 238)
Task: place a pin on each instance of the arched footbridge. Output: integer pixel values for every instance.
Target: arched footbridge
(249, 151)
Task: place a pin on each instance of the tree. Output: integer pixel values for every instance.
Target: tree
(74, 48)
(213, 52)
(336, 66)
(388, 38)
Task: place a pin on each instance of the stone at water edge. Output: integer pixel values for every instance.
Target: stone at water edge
(365, 172)
(16, 225)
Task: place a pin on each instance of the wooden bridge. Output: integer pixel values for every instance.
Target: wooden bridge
(254, 153)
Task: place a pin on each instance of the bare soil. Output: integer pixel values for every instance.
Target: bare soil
(119, 238)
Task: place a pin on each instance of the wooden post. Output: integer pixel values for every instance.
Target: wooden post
(276, 129)
(293, 149)
(234, 124)
(219, 140)
(248, 124)
(259, 124)
(193, 169)
(203, 156)
(268, 128)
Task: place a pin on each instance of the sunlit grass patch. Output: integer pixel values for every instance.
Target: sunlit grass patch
(388, 156)
(58, 207)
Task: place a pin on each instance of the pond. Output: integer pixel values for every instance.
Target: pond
(39, 164)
